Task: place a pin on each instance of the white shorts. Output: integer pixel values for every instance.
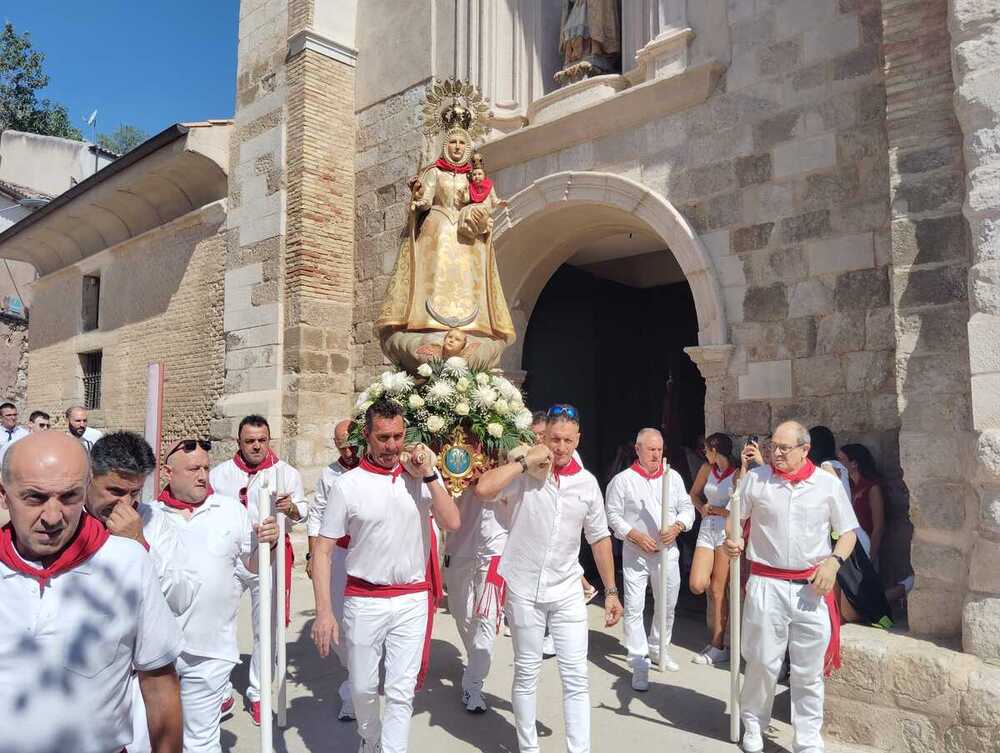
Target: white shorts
(712, 533)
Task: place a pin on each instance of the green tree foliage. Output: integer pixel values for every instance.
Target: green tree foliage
(123, 140)
(21, 77)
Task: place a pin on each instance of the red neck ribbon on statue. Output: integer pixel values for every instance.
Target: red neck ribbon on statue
(725, 474)
(372, 467)
(800, 475)
(831, 660)
(89, 537)
(450, 167)
(479, 190)
(167, 497)
(637, 467)
(431, 584)
(269, 461)
(571, 468)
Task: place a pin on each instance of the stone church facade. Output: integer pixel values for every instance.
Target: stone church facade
(822, 174)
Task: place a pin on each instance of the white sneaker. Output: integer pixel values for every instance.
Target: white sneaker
(699, 658)
(548, 647)
(473, 700)
(669, 664)
(640, 676)
(715, 656)
(346, 713)
(752, 742)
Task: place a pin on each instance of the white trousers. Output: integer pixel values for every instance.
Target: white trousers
(567, 622)
(338, 581)
(204, 683)
(393, 627)
(140, 726)
(779, 615)
(466, 580)
(638, 570)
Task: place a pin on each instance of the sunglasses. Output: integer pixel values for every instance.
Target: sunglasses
(189, 445)
(564, 410)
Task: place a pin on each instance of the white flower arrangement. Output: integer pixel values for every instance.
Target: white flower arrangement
(447, 396)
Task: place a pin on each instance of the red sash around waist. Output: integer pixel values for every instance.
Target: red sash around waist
(494, 594)
(832, 659)
(343, 542)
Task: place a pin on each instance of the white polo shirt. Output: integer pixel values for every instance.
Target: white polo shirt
(480, 535)
(790, 525)
(634, 501)
(178, 583)
(388, 522)
(227, 479)
(323, 488)
(217, 535)
(67, 652)
(541, 559)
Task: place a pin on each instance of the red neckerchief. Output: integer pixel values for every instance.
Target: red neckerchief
(90, 536)
(571, 468)
(450, 167)
(368, 465)
(478, 191)
(800, 475)
(269, 461)
(729, 472)
(167, 497)
(831, 659)
(637, 467)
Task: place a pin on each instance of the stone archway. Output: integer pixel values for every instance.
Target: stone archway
(547, 220)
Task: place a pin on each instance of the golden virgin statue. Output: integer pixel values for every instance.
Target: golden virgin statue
(445, 297)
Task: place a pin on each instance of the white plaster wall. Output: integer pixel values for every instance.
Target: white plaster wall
(45, 163)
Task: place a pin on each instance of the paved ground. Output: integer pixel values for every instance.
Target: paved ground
(683, 712)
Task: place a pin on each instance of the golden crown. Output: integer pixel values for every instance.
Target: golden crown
(455, 104)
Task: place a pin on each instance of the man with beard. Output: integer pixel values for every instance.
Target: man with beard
(348, 460)
(76, 424)
(120, 463)
(393, 583)
(237, 478)
(80, 611)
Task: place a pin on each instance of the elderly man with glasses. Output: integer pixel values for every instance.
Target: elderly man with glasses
(548, 499)
(216, 534)
(789, 601)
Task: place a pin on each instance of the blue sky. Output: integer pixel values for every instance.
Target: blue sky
(148, 63)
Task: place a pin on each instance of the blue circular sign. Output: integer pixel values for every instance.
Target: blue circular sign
(457, 461)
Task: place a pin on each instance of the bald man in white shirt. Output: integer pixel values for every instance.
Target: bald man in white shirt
(793, 507)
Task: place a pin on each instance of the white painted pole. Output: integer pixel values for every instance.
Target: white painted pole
(265, 503)
(154, 424)
(282, 656)
(735, 602)
(661, 597)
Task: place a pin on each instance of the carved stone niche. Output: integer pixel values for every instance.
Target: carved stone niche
(655, 39)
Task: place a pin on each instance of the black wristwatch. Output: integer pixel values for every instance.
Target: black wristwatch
(838, 558)
(432, 477)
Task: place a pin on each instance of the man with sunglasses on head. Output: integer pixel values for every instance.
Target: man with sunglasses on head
(549, 499)
(237, 478)
(789, 602)
(347, 461)
(393, 583)
(120, 463)
(217, 534)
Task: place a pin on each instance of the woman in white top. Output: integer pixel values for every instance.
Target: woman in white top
(710, 568)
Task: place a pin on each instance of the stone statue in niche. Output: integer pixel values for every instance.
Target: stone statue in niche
(589, 40)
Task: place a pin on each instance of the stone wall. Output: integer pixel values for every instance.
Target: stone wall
(14, 364)
(162, 302)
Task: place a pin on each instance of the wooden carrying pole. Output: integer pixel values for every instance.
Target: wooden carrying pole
(735, 532)
(265, 504)
(661, 597)
(282, 658)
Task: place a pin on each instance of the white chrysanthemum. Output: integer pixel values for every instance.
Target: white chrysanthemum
(484, 397)
(482, 379)
(505, 388)
(415, 402)
(363, 398)
(425, 370)
(456, 366)
(502, 407)
(440, 391)
(517, 400)
(494, 429)
(462, 384)
(375, 390)
(435, 424)
(523, 419)
(396, 381)
(462, 408)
